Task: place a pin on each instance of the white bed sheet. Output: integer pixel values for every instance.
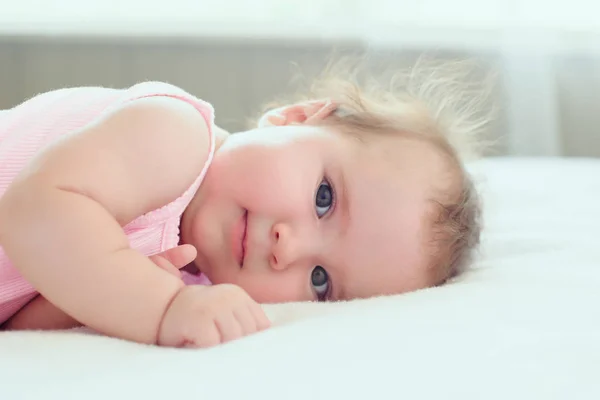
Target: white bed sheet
(524, 324)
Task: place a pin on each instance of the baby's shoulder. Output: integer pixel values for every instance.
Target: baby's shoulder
(163, 89)
(154, 105)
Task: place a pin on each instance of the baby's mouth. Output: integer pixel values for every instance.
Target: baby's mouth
(244, 238)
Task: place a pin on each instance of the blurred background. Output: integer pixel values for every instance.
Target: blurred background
(239, 54)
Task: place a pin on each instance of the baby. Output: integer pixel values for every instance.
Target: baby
(130, 212)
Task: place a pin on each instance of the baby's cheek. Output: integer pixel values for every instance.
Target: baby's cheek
(276, 191)
(271, 291)
(269, 180)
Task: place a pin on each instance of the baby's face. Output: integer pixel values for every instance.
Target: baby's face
(301, 213)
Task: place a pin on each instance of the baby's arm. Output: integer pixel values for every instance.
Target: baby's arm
(62, 218)
(40, 314)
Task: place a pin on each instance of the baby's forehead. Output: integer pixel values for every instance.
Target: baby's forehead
(384, 250)
(391, 190)
(400, 158)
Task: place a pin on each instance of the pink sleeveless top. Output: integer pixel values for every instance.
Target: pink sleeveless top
(38, 122)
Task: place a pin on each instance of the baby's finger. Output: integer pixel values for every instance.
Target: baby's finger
(163, 263)
(229, 327)
(180, 256)
(246, 319)
(206, 335)
(262, 321)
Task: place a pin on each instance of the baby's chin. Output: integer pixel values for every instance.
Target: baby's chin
(207, 274)
(214, 272)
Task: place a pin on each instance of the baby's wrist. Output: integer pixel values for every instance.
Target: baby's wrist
(168, 307)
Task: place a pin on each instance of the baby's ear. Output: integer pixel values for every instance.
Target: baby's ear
(300, 113)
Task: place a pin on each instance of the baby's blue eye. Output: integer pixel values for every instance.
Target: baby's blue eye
(323, 199)
(319, 280)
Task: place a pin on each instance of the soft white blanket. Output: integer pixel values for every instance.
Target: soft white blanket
(524, 324)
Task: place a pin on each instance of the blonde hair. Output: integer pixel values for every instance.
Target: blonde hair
(441, 103)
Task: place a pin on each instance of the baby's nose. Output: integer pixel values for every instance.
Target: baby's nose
(290, 246)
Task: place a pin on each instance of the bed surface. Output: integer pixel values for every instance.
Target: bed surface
(523, 324)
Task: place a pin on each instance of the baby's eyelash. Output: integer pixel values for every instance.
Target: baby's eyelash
(327, 296)
(333, 195)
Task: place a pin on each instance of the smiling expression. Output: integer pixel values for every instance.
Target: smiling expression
(301, 213)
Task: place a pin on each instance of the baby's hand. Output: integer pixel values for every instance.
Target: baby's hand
(174, 259)
(204, 316)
